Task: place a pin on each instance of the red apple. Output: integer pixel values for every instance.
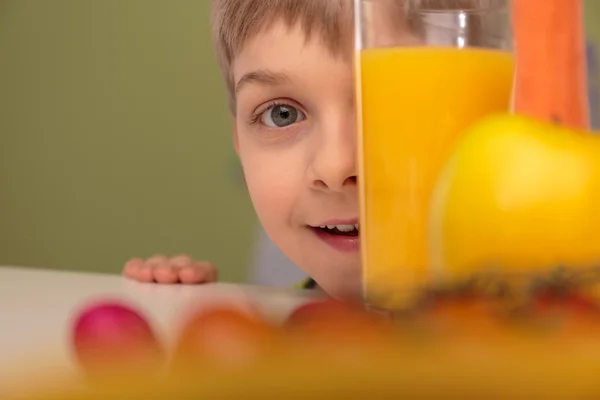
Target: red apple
(111, 336)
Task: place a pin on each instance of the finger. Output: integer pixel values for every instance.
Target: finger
(208, 271)
(166, 273)
(145, 273)
(199, 272)
(181, 260)
(157, 259)
(132, 267)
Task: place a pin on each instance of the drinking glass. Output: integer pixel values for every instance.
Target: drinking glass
(425, 70)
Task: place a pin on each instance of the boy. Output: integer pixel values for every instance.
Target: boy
(287, 65)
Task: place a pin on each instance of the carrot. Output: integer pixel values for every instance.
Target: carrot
(551, 80)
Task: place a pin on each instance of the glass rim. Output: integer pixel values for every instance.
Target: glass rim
(485, 7)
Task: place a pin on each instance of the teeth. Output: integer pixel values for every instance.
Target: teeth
(341, 228)
(345, 228)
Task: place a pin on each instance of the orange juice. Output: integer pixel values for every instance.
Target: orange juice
(415, 103)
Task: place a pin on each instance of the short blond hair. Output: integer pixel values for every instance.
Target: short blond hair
(234, 22)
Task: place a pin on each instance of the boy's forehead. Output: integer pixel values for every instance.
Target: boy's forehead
(237, 23)
(281, 47)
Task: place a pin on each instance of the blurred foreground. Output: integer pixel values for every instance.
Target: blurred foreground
(484, 336)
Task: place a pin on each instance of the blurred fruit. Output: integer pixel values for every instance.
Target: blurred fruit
(335, 318)
(565, 314)
(111, 337)
(469, 315)
(567, 301)
(339, 331)
(320, 311)
(520, 195)
(471, 341)
(223, 336)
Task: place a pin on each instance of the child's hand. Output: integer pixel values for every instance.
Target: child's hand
(180, 269)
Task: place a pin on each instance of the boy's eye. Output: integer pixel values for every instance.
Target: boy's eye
(281, 115)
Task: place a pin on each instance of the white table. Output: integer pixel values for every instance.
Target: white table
(36, 308)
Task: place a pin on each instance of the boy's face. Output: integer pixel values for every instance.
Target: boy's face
(295, 135)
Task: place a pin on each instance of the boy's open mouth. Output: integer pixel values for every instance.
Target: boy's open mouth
(338, 230)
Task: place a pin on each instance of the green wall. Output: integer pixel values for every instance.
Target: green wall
(592, 16)
(114, 137)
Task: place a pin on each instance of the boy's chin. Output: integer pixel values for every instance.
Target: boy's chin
(343, 291)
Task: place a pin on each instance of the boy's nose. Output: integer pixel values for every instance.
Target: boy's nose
(334, 162)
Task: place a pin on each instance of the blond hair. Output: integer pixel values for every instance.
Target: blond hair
(234, 22)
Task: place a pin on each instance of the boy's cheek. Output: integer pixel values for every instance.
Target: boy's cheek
(274, 201)
(269, 197)
(275, 179)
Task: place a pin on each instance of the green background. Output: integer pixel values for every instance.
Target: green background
(592, 17)
(114, 136)
(115, 139)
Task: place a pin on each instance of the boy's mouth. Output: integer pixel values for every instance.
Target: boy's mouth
(338, 230)
(342, 235)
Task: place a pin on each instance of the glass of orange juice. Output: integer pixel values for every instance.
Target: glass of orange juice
(425, 70)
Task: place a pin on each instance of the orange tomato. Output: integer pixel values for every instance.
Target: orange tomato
(223, 336)
(338, 331)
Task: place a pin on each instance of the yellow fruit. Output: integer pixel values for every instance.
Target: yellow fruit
(518, 194)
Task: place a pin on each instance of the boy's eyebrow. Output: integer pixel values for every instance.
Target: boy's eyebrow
(263, 76)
